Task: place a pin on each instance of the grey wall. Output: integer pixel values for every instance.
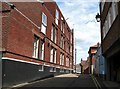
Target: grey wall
(15, 72)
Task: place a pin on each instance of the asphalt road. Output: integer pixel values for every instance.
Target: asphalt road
(65, 81)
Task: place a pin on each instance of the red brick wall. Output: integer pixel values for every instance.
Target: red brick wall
(18, 32)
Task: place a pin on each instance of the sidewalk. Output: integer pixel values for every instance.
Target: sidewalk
(111, 85)
(108, 84)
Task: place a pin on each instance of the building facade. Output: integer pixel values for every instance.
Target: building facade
(36, 42)
(84, 66)
(92, 51)
(110, 37)
(99, 65)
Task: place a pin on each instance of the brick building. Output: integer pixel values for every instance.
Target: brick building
(110, 37)
(92, 51)
(36, 42)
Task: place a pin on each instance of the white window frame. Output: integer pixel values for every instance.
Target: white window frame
(62, 42)
(41, 68)
(71, 49)
(57, 17)
(114, 10)
(51, 55)
(67, 71)
(42, 49)
(61, 28)
(102, 4)
(71, 38)
(52, 69)
(54, 34)
(44, 23)
(67, 62)
(61, 70)
(111, 16)
(61, 59)
(55, 56)
(104, 32)
(44, 19)
(36, 43)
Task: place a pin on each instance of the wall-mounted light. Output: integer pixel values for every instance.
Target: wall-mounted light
(11, 6)
(98, 17)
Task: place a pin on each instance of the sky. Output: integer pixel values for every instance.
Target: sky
(81, 17)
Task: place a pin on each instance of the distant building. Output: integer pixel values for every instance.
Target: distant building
(100, 65)
(110, 37)
(78, 68)
(36, 42)
(92, 51)
(84, 66)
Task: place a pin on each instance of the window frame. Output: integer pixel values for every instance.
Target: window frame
(57, 17)
(44, 24)
(35, 47)
(42, 50)
(41, 68)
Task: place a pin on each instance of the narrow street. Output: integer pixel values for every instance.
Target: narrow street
(60, 44)
(65, 81)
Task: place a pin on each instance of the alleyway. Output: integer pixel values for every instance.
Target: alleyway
(66, 81)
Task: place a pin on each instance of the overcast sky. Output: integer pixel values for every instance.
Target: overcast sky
(81, 14)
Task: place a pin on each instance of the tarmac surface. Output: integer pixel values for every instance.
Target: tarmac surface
(67, 81)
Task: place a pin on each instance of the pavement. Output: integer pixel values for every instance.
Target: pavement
(108, 84)
(70, 81)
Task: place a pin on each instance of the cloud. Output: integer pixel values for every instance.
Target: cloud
(81, 16)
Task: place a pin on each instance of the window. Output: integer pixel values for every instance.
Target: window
(61, 24)
(57, 17)
(104, 33)
(109, 18)
(102, 4)
(71, 49)
(35, 51)
(67, 47)
(54, 34)
(71, 63)
(62, 42)
(41, 56)
(41, 68)
(52, 69)
(67, 71)
(106, 25)
(44, 23)
(61, 59)
(63, 27)
(114, 10)
(53, 55)
(71, 38)
(67, 62)
(112, 14)
(61, 70)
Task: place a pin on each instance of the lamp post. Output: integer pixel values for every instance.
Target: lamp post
(75, 58)
(98, 17)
